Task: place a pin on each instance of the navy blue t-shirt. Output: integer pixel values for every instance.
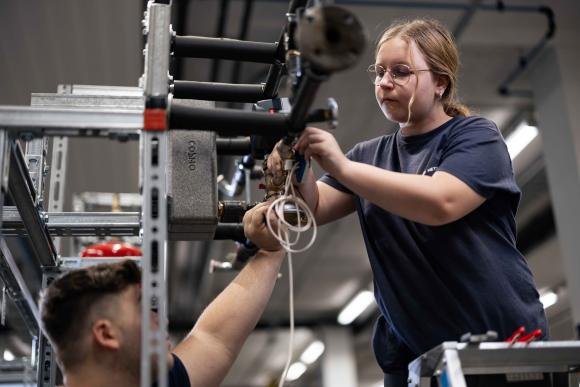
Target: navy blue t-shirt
(435, 283)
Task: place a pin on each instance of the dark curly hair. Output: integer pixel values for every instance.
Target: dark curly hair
(66, 304)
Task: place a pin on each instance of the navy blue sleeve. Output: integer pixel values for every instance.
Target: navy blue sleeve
(476, 154)
(331, 181)
(178, 374)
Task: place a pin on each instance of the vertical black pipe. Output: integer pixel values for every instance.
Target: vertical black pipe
(215, 65)
(243, 35)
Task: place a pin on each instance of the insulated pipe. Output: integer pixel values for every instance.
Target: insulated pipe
(228, 122)
(221, 48)
(303, 100)
(273, 80)
(215, 65)
(234, 146)
(243, 35)
(230, 231)
(217, 91)
(276, 69)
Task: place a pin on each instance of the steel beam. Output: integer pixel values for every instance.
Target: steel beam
(22, 193)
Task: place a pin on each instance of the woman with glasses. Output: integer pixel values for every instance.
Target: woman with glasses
(436, 202)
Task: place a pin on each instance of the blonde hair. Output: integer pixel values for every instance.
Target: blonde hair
(437, 46)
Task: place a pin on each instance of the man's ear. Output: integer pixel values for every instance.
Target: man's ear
(106, 335)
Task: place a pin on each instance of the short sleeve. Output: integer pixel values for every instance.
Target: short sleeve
(331, 181)
(476, 154)
(178, 374)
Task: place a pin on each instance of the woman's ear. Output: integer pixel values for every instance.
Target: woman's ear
(106, 335)
(441, 84)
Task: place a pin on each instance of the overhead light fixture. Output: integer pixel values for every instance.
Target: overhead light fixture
(312, 352)
(295, 371)
(8, 356)
(548, 299)
(520, 138)
(355, 307)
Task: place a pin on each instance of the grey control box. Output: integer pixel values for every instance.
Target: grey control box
(192, 183)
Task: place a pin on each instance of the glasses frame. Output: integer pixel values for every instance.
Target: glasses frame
(372, 73)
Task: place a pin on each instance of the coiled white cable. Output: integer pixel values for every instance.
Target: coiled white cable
(282, 234)
(284, 228)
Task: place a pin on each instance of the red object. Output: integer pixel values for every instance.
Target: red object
(520, 336)
(111, 249)
(516, 335)
(154, 119)
(531, 336)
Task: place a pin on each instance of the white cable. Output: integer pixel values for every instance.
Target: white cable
(282, 234)
(284, 229)
(291, 338)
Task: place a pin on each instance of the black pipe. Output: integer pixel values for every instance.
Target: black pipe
(227, 122)
(232, 211)
(273, 80)
(230, 231)
(524, 60)
(276, 70)
(215, 64)
(233, 146)
(217, 91)
(232, 49)
(181, 10)
(303, 100)
(237, 68)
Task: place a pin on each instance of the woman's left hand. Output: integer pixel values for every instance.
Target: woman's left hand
(322, 146)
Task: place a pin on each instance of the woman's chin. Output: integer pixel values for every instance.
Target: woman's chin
(393, 116)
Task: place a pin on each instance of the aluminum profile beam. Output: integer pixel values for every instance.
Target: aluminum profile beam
(95, 122)
(66, 224)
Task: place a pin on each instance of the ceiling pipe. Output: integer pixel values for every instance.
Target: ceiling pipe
(525, 60)
(465, 19)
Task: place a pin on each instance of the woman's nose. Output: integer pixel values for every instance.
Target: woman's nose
(386, 81)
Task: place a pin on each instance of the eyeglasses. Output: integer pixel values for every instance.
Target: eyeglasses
(400, 73)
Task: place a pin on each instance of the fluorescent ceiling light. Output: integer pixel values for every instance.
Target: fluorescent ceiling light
(520, 138)
(295, 371)
(8, 356)
(312, 353)
(548, 299)
(354, 308)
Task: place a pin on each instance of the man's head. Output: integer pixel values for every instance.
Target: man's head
(94, 314)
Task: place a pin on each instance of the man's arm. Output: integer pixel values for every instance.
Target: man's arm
(217, 338)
